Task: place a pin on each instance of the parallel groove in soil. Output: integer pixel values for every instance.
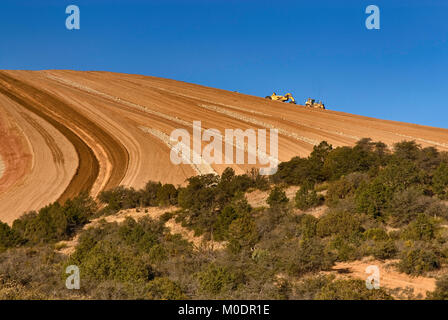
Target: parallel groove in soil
(53, 109)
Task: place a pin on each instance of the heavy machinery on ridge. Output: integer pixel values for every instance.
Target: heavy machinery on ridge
(313, 104)
(287, 97)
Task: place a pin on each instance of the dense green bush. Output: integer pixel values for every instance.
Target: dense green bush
(384, 249)
(374, 198)
(418, 258)
(379, 244)
(376, 234)
(422, 228)
(406, 150)
(55, 222)
(440, 181)
(344, 224)
(307, 226)
(167, 195)
(217, 279)
(9, 238)
(441, 291)
(127, 252)
(309, 286)
(120, 198)
(277, 198)
(406, 205)
(307, 197)
(344, 160)
(309, 256)
(164, 289)
(344, 188)
(108, 261)
(300, 170)
(243, 233)
(230, 213)
(153, 194)
(351, 290)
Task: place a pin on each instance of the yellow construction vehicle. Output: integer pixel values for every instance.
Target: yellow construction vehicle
(285, 98)
(313, 104)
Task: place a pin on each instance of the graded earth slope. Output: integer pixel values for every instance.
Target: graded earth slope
(63, 132)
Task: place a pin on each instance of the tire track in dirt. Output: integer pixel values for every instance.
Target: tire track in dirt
(332, 132)
(88, 166)
(58, 156)
(158, 134)
(347, 127)
(119, 100)
(223, 109)
(222, 106)
(68, 121)
(16, 155)
(200, 169)
(2, 167)
(260, 123)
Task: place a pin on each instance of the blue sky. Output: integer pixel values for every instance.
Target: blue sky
(320, 49)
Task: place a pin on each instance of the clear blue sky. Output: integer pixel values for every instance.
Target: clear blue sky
(315, 48)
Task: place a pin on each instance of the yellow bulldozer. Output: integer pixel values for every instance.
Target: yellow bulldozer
(313, 104)
(287, 97)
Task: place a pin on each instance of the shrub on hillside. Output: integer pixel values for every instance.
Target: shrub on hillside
(344, 188)
(379, 244)
(217, 279)
(107, 260)
(429, 159)
(310, 255)
(120, 198)
(407, 150)
(384, 249)
(152, 195)
(259, 182)
(277, 198)
(422, 228)
(229, 214)
(344, 160)
(142, 235)
(242, 233)
(344, 249)
(374, 197)
(32, 273)
(440, 181)
(342, 223)
(441, 291)
(9, 238)
(308, 287)
(406, 205)
(307, 226)
(351, 290)
(167, 195)
(55, 222)
(299, 170)
(376, 234)
(418, 258)
(164, 289)
(199, 194)
(307, 198)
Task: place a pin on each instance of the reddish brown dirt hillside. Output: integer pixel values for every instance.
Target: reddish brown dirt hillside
(62, 132)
